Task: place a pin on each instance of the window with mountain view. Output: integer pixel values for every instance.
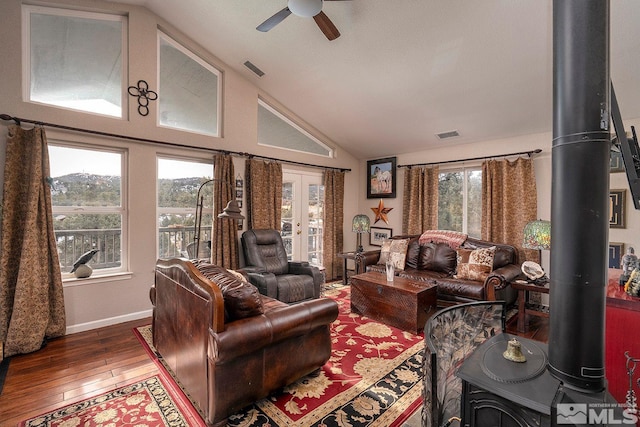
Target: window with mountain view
(178, 183)
(460, 201)
(75, 59)
(88, 206)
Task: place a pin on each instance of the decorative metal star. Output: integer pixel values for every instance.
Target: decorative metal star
(381, 212)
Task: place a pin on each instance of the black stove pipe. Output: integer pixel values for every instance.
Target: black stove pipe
(580, 192)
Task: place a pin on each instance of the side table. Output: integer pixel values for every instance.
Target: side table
(358, 266)
(523, 287)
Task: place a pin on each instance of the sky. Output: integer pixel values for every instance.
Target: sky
(65, 160)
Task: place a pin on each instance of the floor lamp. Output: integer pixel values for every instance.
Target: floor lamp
(231, 211)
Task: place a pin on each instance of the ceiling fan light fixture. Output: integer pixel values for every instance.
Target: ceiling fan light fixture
(305, 8)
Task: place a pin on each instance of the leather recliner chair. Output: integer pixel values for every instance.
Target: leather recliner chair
(269, 270)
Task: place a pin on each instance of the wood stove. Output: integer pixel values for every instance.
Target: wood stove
(564, 383)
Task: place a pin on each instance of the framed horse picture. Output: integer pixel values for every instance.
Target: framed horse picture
(381, 178)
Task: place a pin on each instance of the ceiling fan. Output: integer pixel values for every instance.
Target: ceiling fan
(305, 9)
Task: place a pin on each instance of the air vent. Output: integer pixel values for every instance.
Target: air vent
(257, 71)
(450, 134)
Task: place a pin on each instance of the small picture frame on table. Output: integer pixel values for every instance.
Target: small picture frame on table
(616, 252)
(377, 235)
(381, 178)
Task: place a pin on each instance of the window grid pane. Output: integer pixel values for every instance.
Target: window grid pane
(76, 59)
(189, 90)
(178, 183)
(89, 181)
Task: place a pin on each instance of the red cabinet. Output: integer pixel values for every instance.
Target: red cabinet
(622, 321)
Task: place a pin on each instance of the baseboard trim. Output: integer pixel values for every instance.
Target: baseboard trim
(81, 327)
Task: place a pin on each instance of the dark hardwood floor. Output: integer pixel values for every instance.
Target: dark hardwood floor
(88, 363)
(72, 368)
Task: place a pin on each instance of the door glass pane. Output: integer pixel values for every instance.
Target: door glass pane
(315, 228)
(288, 189)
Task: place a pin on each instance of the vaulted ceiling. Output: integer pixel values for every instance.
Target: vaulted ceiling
(404, 70)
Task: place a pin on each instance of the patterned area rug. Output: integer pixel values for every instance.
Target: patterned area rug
(373, 378)
(151, 402)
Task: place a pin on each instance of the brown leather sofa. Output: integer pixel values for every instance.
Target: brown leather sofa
(436, 263)
(227, 345)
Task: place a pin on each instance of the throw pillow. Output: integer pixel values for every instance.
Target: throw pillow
(241, 299)
(437, 257)
(478, 266)
(394, 250)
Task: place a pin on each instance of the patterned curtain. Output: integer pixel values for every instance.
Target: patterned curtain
(509, 202)
(224, 241)
(420, 200)
(264, 194)
(31, 293)
(333, 220)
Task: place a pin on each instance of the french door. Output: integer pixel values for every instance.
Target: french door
(302, 209)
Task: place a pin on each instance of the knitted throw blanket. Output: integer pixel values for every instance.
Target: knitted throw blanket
(452, 238)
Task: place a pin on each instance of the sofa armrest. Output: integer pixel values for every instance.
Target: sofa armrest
(266, 283)
(251, 334)
(252, 269)
(500, 279)
(364, 259)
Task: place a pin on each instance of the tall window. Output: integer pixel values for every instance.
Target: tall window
(89, 208)
(178, 184)
(460, 201)
(189, 96)
(75, 59)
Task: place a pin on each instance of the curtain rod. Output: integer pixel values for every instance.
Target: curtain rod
(529, 153)
(19, 121)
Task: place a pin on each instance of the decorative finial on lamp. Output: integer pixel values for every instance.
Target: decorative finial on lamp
(360, 224)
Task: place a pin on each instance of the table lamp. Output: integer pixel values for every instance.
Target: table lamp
(360, 224)
(537, 235)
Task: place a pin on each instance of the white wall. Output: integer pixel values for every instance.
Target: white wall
(98, 302)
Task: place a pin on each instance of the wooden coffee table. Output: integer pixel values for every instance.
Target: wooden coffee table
(403, 303)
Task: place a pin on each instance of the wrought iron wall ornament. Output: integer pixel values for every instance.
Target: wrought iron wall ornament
(144, 96)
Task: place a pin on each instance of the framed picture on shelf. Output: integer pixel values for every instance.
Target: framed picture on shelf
(617, 199)
(615, 162)
(381, 178)
(616, 252)
(377, 235)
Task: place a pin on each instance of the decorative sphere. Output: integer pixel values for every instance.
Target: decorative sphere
(83, 271)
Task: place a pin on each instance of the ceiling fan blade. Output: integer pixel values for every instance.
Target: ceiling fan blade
(274, 20)
(326, 26)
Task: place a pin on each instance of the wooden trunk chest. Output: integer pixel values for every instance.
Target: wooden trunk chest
(403, 303)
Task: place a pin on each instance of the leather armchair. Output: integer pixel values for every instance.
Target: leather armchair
(269, 270)
(227, 345)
